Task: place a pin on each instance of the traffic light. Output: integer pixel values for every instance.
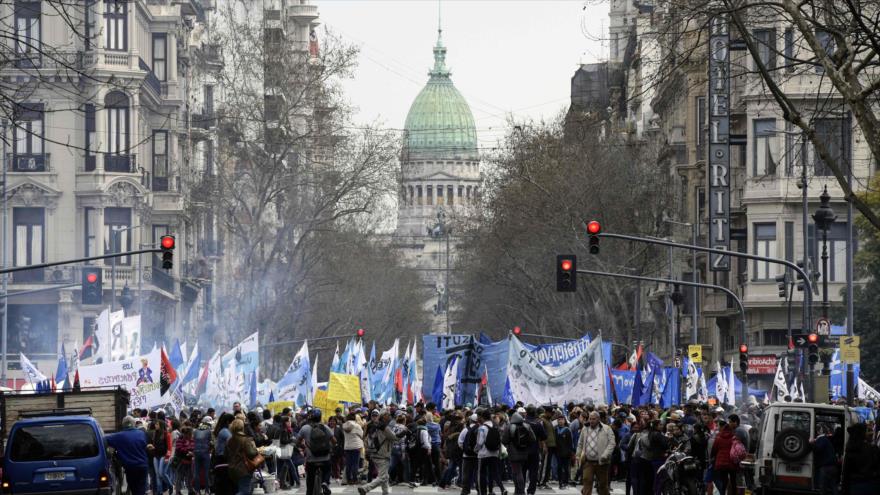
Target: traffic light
(360, 333)
(566, 273)
(593, 228)
(782, 284)
(517, 331)
(92, 286)
(167, 245)
(813, 348)
(743, 358)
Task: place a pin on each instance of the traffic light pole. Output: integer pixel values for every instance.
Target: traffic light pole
(742, 311)
(37, 291)
(78, 260)
(808, 289)
(300, 341)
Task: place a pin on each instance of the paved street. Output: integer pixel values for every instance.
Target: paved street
(616, 488)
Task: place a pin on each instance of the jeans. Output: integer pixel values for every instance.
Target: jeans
(163, 482)
(137, 480)
(563, 470)
(201, 466)
(381, 478)
(726, 480)
(285, 469)
(183, 477)
(449, 474)
(435, 461)
(547, 468)
(245, 485)
(352, 465)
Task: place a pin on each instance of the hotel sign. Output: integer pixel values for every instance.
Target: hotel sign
(719, 141)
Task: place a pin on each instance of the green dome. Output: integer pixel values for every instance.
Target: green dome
(440, 123)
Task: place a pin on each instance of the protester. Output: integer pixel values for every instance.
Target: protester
(184, 449)
(380, 443)
(131, 445)
(318, 441)
(353, 441)
(488, 448)
(518, 437)
(595, 446)
(861, 467)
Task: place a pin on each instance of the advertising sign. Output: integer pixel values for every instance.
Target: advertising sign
(762, 365)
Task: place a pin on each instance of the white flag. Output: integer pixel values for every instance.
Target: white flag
(692, 379)
(31, 372)
(704, 390)
(449, 383)
(720, 384)
(314, 386)
(731, 386)
(793, 391)
(779, 382)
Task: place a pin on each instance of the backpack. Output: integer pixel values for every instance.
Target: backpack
(493, 439)
(470, 442)
(319, 441)
(523, 438)
(737, 451)
(453, 451)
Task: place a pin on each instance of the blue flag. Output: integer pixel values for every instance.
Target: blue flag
(637, 389)
(175, 357)
(271, 396)
(508, 395)
(437, 393)
(66, 383)
(61, 369)
(192, 367)
(252, 403)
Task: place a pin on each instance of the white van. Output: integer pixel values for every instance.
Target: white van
(783, 460)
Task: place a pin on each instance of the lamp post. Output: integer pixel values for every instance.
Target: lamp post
(823, 218)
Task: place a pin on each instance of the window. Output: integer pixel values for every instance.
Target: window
(776, 337)
(419, 189)
(836, 135)
(27, 34)
(788, 49)
(116, 25)
(117, 232)
(430, 190)
(28, 242)
(702, 130)
(766, 41)
(28, 130)
(836, 252)
(439, 195)
(160, 160)
(765, 245)
(91, 138)
(450, 195)
(117, 158)
(160, 56)
(826, 41)
(90, 227)
(45, 442)
(765, 153)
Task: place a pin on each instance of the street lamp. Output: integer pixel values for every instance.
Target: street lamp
(126, 299)
(823, 218)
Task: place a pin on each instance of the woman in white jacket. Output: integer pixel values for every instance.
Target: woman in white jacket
(354, 443)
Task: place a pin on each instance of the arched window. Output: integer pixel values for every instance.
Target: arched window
(118, 158)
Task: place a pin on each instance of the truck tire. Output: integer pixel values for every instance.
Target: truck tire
(791, 444)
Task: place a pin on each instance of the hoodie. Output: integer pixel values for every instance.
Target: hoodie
(508, 435)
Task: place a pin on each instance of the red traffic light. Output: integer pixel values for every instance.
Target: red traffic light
(813, 338)
(743, 348)
(594, 227)
(167, 242)
(566, 265)
(517, 330)
(92, 278)
(360, 332)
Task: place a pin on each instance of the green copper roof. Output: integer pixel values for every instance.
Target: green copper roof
(440, 123)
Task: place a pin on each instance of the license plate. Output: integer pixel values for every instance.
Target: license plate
(54, 476)
(793, 468)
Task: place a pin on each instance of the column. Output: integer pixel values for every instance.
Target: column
(100, 130)
(99, 233)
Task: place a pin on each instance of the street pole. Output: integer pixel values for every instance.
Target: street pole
(695, 293)
(5, 276)
(825, 302)
(447, 306)
(806, 324)
(850, 311)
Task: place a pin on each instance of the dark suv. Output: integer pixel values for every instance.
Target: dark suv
(57, 454)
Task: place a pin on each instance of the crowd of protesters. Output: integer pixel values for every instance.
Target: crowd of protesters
(465, 449)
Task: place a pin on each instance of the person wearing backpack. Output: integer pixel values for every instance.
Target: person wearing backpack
(518, 437)
(488, 448)
(724, 465)
(467, 440)
(379, 444)
(453, 454)
(318, 440)
(202, 454)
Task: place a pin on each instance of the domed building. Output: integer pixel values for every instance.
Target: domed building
(440, 179)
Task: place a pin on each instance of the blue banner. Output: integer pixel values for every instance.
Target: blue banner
(558, 353)
(669, 387)
(492, 356)
(837, 380)
(623, 385)
(438, 350)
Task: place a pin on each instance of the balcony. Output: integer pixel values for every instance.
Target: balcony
(120, 163)
(110, 60)
(28, 163)
(162, 280)
(53, 275)
(205, 121)
(150, 80)
(302, 14)
(212, 55)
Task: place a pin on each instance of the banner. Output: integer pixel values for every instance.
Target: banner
(125, 338)
(215, 385)
(623, 384)
(837, 380)
(296, 384)
(558, 353)
(277, 406)
(439, 350)
(245, 357)
(450, 382)
(140, 376)
(582, 378)
(344, 388)
(327, 406)
(494, 357)
(106, 325)
(382, 374)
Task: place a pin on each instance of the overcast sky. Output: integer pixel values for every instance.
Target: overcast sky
(507, 56)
